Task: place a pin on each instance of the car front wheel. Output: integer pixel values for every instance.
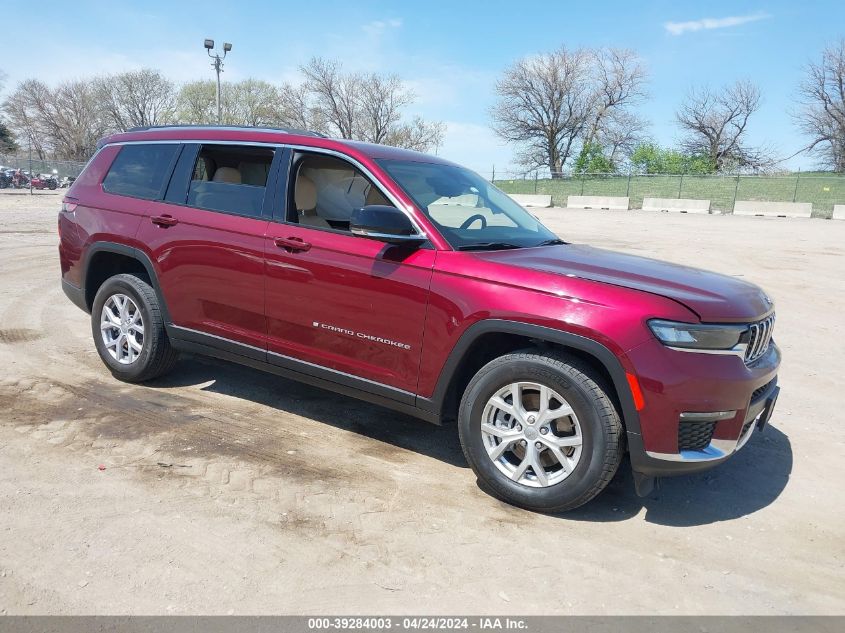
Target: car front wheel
(540, 431)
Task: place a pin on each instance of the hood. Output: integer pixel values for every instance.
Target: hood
(712, 296)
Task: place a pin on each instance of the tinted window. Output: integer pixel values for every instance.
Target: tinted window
(230, 178)
(140, 170)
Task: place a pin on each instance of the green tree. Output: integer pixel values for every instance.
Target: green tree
(592, 160)
(650, 158)
(7, 140)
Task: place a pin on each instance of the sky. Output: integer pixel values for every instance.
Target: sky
(450, 53)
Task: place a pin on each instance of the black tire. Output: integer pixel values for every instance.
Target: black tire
(157, 356)
(601, 428)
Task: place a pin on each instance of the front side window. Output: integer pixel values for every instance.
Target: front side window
(326, 190)
(469, 211)
(140, 170)
(230, 178)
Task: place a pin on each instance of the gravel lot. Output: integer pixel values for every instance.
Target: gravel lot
(229, 491)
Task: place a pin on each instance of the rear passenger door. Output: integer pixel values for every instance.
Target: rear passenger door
(207, 242)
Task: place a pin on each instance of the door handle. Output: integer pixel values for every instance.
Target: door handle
(164, 220)
(291, 244)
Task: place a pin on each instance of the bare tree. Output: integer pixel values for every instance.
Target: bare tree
(335, 95)
(620, 134)
(298, 110)
(716, 126)
(361, 107)
(553, 104)
(22, 111)
(418, 135)
(137, 98)
(66, 121)
(620, 83)
(822, 116)
(380, 103)
(544, 106)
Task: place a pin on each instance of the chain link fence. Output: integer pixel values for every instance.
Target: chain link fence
(822, 190)
(37, 166)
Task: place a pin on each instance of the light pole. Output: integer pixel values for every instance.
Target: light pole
(218, 67)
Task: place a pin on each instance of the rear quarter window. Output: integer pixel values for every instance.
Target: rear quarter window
(141, 170)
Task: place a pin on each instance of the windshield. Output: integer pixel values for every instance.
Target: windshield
(469, 211)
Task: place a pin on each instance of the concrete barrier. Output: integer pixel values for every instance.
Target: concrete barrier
(774, 209)
(839, 212)
(683, 205)
(597, 202)
(531, 200)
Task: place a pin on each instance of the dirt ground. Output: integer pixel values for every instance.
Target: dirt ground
(229, 491)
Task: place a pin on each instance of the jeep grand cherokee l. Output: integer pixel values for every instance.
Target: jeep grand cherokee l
(411, 282)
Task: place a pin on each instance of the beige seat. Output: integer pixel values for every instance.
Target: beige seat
(228, 175)
(305, 198)
(374, 196)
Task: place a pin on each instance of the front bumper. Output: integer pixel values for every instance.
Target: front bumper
(718, 450)
(678, 382)
(75, 294)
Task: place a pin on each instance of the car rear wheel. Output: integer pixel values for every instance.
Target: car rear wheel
(540, 431)
(128, 330)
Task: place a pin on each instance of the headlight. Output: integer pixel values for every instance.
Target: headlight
(697, 336)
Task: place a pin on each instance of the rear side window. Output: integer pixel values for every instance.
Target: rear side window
(231, 179)
(141, 170)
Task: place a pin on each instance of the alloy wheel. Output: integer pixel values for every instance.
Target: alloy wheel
(122, 328)
(532, 434)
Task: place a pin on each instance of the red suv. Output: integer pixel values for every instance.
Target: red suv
(409, 281)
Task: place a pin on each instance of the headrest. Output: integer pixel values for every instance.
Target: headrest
(253, 173)
(305, 194)
(227, 174)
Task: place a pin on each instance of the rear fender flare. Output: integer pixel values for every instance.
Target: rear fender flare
(133, 253)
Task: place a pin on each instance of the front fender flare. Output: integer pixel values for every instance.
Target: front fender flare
(596, 350)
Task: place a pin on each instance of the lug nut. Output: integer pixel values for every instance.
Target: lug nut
(518, 427)
(523, 443)
(538, 445)
(544, 430)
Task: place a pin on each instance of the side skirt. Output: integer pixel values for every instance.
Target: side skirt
(339, 382)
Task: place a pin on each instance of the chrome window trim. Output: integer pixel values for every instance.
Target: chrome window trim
(340, 155)
(305, 148)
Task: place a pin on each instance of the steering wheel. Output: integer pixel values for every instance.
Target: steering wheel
(473, 218)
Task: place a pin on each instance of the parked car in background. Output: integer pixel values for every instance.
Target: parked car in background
(66, 181)
(409, 281)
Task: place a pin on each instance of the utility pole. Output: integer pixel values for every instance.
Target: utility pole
(217, 64)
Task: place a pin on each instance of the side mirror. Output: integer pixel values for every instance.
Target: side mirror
(384, 223)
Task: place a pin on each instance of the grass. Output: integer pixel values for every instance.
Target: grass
(823, 190)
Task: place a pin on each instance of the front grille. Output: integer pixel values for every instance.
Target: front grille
(759, 337)
(759, 391)
(695, 436)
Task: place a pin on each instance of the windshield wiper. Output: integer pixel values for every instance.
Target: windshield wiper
(553, 242)
(488, 246)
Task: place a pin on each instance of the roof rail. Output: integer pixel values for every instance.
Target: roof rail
(211, 126)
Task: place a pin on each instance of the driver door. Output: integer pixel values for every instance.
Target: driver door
(350, 307)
